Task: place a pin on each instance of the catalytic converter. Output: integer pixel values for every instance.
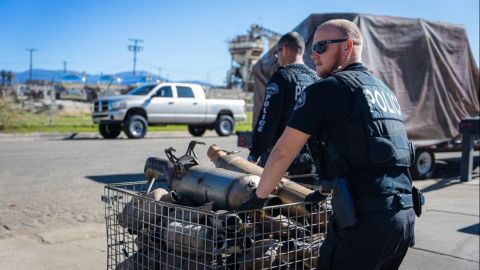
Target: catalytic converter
(201, 184)
(288, 191)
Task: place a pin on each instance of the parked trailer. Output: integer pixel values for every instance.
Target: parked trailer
(434, 96)
(424, 164)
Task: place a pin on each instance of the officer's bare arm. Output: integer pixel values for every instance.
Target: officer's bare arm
(283, 153)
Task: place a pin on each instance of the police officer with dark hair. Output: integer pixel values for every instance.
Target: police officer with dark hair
(361, 146)
(281, 93)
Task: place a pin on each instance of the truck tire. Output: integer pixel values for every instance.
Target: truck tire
(109, 131)
(196, 131)
(423, 165)
(135, 127)
(224, 125)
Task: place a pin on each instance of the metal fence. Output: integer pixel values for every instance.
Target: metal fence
(147, 234)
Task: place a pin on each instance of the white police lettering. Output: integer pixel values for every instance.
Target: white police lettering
(379, 100)
(390, 105)
(300, 100)
(298, 91)
(385, 101)
(270, 90)
(370, 99)
(395, 101)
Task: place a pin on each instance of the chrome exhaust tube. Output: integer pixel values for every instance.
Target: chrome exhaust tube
(288, 191)
(226, 189)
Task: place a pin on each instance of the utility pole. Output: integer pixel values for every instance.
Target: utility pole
(135, 48)
(64, 67)
(31, 64)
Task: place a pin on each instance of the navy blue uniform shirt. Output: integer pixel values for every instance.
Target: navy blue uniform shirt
(328, 103)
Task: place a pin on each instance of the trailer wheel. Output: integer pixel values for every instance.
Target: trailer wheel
(424, 164)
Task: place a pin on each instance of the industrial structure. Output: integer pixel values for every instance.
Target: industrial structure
(246, 50)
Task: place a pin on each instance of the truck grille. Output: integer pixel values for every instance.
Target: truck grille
(100, 106)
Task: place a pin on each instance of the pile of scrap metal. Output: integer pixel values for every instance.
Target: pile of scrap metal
(193, 224)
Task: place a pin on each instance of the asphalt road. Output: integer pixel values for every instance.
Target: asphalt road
(51, 216)
(65, 177)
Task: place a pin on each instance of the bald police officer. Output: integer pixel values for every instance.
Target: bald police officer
(360, 138)
(281, 93)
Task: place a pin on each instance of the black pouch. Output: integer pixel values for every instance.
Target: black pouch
(418, 201)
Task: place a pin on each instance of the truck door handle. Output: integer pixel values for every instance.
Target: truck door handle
(171, 102)
(195, 103)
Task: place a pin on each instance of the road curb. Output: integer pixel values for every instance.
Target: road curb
(95, 135)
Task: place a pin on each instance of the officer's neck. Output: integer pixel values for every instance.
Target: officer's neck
(348, 66)
(298, 60)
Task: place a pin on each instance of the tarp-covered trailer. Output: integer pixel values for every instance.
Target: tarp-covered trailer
(428, 64)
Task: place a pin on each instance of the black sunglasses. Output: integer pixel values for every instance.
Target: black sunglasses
(275, 53)
(321, 46)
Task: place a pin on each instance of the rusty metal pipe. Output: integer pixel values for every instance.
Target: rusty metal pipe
(226, 189)
(142, 211)
(288, 191)
(191, 237)
(226, 221)
(201, 184)
(156, 167)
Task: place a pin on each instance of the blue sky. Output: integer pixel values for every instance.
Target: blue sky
(183, 40)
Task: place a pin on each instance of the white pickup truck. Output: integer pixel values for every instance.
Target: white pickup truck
(166, 103)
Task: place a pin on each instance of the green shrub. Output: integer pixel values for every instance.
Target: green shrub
(8, 112)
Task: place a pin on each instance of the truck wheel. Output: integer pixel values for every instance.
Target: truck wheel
(424, 164)
(109, 131)
(225, 125)
(196, 131)
(135, 127)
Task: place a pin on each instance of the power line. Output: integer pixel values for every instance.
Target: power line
(135, 48)
(31, 62)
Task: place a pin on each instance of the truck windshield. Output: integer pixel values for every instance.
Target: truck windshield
(142, 90)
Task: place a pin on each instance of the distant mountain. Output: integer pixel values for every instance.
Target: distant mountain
(204, 84)
(125, 78)
(39, 74)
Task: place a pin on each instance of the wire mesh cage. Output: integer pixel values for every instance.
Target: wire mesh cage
(144, 233)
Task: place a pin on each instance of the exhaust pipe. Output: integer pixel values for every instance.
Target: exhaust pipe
(288, 191)
(185, 237)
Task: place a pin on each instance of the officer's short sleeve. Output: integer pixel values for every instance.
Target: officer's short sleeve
(304, 111)
(322, 105)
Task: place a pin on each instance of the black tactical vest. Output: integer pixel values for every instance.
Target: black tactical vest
(299, 77)
(374, 134)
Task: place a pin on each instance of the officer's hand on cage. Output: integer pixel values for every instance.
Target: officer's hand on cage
(252, 203)
(314, 198)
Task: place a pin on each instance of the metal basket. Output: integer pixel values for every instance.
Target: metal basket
(147, 234)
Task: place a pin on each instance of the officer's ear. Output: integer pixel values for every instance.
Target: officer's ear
(349, 44)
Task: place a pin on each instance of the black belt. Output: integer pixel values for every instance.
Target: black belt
(395, 201)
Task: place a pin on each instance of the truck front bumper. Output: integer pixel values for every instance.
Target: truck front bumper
(108, 116)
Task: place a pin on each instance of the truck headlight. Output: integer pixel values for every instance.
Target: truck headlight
(118, 105)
